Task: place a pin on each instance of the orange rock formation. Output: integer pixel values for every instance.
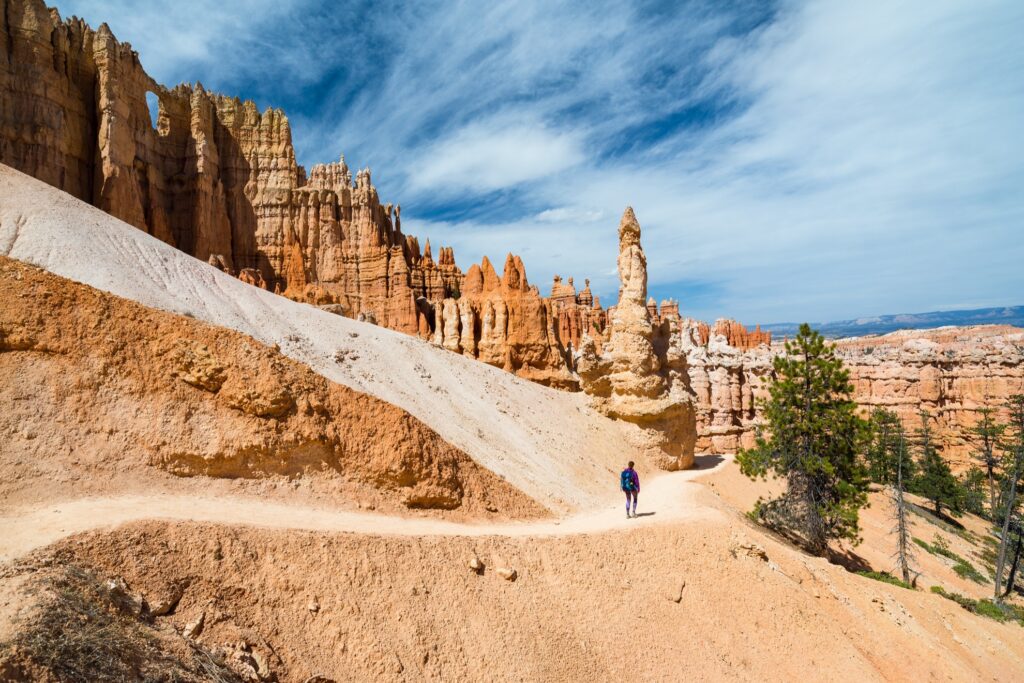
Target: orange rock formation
(214, 177)
(640, 374)
(101, 390)
(506, 323)
(736, 334)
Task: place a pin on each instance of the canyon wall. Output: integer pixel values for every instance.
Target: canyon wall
(949, 372)
(214, 177)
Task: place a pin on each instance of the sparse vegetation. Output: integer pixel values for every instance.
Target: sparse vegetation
(985, 608)
(962, 567)
(886, 577)
(82, 630)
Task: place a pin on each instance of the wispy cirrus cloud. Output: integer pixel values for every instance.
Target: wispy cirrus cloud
(790, 160)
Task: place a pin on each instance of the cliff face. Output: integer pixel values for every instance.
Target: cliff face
(506, 323)
(214, 177)
(950, 373)
(640, 375)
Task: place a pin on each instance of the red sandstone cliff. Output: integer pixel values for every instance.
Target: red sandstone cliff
(215, 178)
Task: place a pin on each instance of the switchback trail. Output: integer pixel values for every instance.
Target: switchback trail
(666, 498)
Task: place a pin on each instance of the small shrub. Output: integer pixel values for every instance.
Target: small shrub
(962, 567)
(985, 608)
(754, 515)
(966, 570)
(886, 577)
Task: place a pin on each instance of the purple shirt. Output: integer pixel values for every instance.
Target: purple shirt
(634, 477)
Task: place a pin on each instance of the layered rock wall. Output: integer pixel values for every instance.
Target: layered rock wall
(727, 384)
(950, 373)
(214, 176)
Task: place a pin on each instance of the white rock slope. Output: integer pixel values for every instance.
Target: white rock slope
(548, 443)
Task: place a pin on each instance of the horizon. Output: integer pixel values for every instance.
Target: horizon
(787, 161)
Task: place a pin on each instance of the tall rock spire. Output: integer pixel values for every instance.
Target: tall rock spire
(641, 375)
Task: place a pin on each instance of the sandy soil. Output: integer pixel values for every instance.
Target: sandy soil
(548, 443)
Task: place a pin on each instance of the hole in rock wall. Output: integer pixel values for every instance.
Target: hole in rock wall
(153, 102)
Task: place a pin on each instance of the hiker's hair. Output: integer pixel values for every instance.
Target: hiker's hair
(630, 463)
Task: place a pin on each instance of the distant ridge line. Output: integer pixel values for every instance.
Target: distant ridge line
(881, 324)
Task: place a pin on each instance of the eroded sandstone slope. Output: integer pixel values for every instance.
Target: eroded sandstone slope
(545, 442)
(101, 390)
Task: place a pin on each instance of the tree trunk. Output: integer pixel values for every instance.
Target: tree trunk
(901, 526)
(1004, 537)
(991, 487)
(1011, 579)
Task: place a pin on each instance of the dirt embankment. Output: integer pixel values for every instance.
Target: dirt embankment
(700, 601)
(105, 395)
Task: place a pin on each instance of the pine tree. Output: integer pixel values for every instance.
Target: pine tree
(814, 440)
(884, 425)
(936, 481)
(1014, 467)
(975, 492)
(986, 435)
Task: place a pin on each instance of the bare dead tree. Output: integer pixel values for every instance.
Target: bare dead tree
(1016, 470)
(904, 548)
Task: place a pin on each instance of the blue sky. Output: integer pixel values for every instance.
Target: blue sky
(786, 160)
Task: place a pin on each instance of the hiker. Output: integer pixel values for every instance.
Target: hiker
(630, 483)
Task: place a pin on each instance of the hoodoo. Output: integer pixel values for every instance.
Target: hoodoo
(641, 375)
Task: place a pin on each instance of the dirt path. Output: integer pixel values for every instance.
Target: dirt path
(668, 497)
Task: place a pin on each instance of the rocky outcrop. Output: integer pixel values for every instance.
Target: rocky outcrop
(948, 372)
(640, 375)
(578, 315)
(504, 322)
(727, 382)
(735, 333)
(214, 176)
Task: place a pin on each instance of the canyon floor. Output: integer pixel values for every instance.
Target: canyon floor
(178, 467)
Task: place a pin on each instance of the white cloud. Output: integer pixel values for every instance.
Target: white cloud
(493, 155)
(569, 214)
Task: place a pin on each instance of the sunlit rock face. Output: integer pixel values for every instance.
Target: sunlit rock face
(640, 375)
(214, 176)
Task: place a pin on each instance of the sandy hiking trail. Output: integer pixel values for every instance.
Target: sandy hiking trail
(668, 497)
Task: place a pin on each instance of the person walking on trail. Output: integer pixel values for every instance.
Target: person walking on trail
(629, 480)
